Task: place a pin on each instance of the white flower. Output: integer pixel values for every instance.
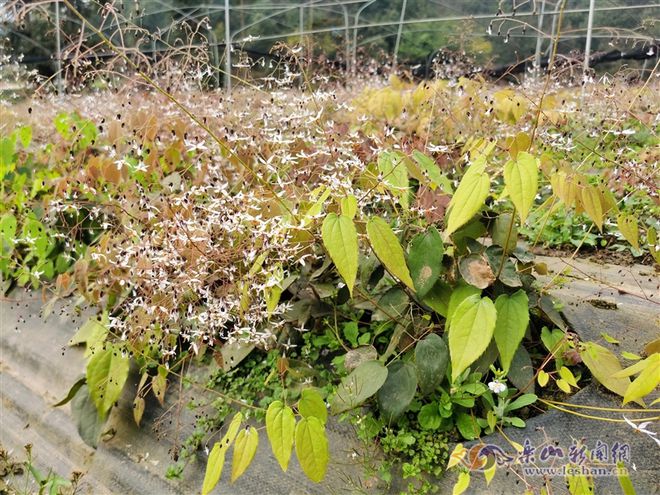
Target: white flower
(642, 429)
(497, 386)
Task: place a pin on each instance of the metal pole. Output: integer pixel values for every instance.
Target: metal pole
(227, 50)
(587, 48)
(398, 35)
(539, 42)
(215, 57)
(58, 48)
(347, 39)
(355, 31)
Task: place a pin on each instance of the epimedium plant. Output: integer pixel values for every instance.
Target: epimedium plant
(472, 320)
(438, 316)
(412, 305)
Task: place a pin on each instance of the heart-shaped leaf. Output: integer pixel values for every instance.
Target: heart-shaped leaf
(280, 428)
(340, 240)
(312, 448)
(425, 260)
(431, 359)
(362, 383)
(512, 321)
(398, 391)
(470, 332)
(388, 249)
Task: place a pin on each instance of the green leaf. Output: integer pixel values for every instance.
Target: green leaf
(630, 356)
(568, 376)
(428, 417)
(25, 135)
(8, 227)
(469, 198)
(72, 392)
(107, 371)
(425, 260)
(521, 371)
(603, 364)
(340, 240)
(431, 170)
(460, 293)
(88, 420)
(551, 339)
(351, 332)
(362, 383)
(388, 250)
(245, 447)
(395, 175)
(438, 298)
(280, 427)
(467, 426)
(36, 230)
(512, 321)
(92, 333)
(431, 359)
(627, 225)
(521, 179)
(312, 448)
(646, 382)
(522, 401)
(543, 378)
(311, 405)
(7, 154)
(349, 206)
(608, 338)
(514, 421)
(505, 233)
(470, 331)
(398, 391)
(391, 306)
(317, 206)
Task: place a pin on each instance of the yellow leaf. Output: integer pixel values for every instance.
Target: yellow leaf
(214, 467)
(543, 378)
(340, 240)
(521, 179)
(312, 448)
(628, 227)
(280, 427)
(216, 459)
(349, 206)
(469, 197)
(564, 386)
(456, 456)
(646, 382)
(592, 205)
(392, 166)
(490, 473)
(388, 249)
(567, 375)
(244, 449)
(604, 366)
(462, 483)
